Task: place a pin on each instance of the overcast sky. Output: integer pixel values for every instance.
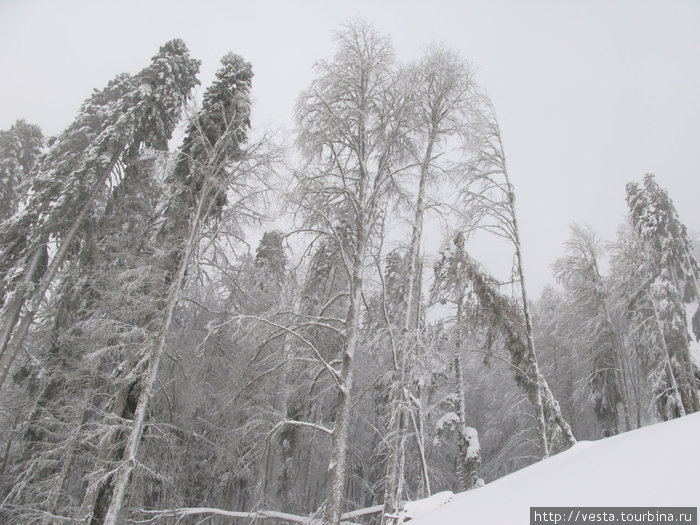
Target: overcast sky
(590, 95)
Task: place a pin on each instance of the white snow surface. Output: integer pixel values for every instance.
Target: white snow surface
(413, 509)
(657, 465)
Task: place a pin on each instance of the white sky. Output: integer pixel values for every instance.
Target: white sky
(590, 95)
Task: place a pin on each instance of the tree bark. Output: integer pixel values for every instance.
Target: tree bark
(341, 430)
(397, 420)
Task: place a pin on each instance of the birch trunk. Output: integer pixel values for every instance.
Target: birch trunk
(417, 419)
(337, 465)
(397, 423)
(539, 407)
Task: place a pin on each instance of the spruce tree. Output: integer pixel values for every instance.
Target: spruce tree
(20, 147)
(199, 183)
(72, 178)
(668, 291)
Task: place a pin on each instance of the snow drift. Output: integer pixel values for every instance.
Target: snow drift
(658, 465)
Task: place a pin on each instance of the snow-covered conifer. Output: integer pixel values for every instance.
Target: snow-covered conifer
(74, 176)
(20, 147)
(670, 287)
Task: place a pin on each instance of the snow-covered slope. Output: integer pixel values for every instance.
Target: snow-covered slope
(658, 465)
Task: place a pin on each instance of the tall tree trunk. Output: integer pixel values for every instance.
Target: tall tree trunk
(469, 450)
(97, 493)
(398, 401)
(417, 419)
(539, 406)
(132, 444)
(507, 317)
(343, 422)
(489, 165)
(468, 447)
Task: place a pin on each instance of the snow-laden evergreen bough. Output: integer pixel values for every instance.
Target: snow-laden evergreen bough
(20, 146)
(503, 319)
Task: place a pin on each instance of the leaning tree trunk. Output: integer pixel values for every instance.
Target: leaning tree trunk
(417, 420)
(96, 498)
(11, 347)
(505, 315)
(489, 165)
(532, 356)
(129, 460)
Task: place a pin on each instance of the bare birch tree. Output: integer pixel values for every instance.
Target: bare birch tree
(352, 134)
(440, 87)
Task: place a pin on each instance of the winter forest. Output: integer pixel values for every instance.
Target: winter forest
(201, 323)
